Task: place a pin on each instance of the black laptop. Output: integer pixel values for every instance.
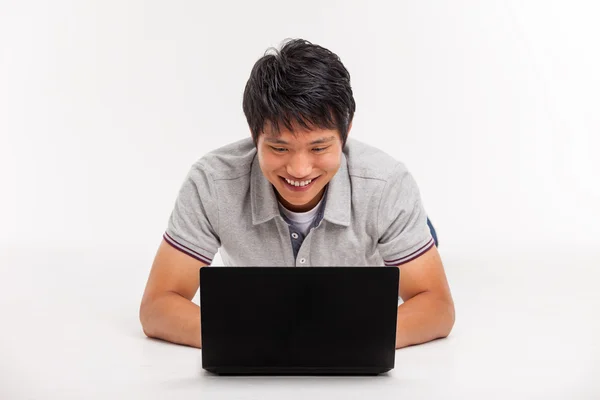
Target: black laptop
(298, 320)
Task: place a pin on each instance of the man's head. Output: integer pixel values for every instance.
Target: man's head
(299, 105)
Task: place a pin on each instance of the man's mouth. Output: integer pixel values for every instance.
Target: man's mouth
(299, 185)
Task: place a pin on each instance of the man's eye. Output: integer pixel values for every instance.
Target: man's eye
(278, 149)
(319, 149)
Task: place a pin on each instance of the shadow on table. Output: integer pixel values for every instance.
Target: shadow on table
(203, 378)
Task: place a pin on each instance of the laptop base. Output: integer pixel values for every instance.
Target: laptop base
(369, 371)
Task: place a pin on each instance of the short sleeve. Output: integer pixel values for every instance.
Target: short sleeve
(193, 225)
(402, 221)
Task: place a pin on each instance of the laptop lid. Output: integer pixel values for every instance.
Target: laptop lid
(298, 319)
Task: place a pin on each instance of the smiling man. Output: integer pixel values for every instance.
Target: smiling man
(298, 192)
(299, 179)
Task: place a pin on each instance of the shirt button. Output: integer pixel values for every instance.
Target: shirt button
(302, 260)
(295, 235)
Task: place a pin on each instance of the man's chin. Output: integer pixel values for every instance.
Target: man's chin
(300, 202)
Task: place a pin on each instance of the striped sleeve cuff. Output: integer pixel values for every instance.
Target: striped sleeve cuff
(169, 239)
(411, 256)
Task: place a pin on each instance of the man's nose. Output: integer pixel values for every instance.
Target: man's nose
(300, 166)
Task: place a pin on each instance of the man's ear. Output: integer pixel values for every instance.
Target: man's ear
(349, 129)
(252, 137)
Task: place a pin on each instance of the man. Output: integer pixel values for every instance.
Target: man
(298, 193)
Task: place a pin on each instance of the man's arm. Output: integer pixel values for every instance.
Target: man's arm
(428, 309)
(167, 311)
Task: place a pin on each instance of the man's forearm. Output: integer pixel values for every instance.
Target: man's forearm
(423, 318)
(173, 318)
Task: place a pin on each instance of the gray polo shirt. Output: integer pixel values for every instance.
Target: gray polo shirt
(372, 213)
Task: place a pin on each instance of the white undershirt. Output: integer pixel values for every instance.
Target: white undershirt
(301, 220)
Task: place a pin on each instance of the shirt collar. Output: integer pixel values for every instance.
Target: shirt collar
(337, 200)
(337, 206)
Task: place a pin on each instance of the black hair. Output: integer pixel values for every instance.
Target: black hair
(303, 83)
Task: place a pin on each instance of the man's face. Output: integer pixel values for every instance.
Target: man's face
(299, 166)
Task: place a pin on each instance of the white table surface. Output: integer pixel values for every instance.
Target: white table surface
(528, 327)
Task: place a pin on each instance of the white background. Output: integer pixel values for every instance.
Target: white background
(105, 105)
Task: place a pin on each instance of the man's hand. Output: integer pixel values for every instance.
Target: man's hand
(428, 309)
(167, 311)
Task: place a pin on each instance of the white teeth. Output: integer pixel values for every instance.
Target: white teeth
(298, 183)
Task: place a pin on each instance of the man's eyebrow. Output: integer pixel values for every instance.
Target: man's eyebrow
(323, 140)
(277, 140)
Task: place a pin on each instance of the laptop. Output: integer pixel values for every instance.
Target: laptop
(298, 320)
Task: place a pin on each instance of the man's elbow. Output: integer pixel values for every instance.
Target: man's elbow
(145, 316)
(448, 316)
